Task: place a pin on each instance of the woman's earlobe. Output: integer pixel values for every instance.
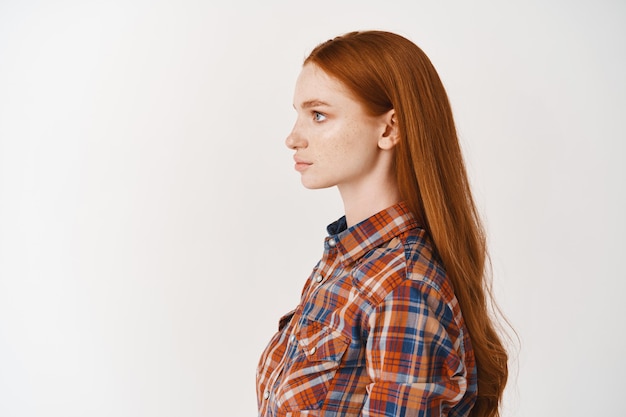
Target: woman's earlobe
(388, 142)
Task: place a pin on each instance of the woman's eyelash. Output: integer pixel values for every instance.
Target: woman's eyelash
(318, 117)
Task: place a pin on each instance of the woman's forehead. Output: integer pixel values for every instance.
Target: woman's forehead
(315, 87)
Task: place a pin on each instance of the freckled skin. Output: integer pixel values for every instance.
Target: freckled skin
(345, 146)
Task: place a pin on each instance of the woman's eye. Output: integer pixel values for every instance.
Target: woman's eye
(318, 117)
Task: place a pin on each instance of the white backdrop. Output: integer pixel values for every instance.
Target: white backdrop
(152, 229)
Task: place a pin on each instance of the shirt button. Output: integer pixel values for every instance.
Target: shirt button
(266, 395)
(319, 278)
(332, 242)
(313, 350)
(292, 338)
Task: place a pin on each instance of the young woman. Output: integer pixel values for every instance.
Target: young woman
(393, 320)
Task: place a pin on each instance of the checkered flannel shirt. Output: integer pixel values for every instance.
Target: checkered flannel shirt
(378, 331)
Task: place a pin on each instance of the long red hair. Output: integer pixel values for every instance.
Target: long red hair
(387, 71)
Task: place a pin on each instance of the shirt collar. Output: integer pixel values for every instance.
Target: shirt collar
(354, 242)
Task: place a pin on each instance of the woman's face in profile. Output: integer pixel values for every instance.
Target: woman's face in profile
(334, 139)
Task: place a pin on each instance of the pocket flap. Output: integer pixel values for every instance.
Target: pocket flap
(321, 343)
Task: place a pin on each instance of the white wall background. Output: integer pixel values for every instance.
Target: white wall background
(152, 229)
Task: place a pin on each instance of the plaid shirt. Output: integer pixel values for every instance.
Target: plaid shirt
(378, 331)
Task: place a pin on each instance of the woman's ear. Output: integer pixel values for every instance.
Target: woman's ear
(391, 136)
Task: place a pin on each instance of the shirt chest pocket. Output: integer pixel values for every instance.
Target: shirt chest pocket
(316, 358)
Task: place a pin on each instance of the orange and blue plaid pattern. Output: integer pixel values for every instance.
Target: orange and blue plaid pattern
(378, 331)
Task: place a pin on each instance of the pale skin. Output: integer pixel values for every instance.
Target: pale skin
(337, 143)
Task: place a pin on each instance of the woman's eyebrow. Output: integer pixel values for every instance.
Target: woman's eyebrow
(313, 103)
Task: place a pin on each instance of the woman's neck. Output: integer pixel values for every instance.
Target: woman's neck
(360, 204)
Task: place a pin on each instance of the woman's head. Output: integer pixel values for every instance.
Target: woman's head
(386, 71)
(338, 142)
(389, 73)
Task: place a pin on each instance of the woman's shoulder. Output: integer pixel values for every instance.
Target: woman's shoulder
(407, 259)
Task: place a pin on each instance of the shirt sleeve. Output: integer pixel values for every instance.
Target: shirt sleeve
(414, 355)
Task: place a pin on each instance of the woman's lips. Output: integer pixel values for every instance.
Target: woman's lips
(301, 165)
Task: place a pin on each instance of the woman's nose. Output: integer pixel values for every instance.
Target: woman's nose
(294, 139)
